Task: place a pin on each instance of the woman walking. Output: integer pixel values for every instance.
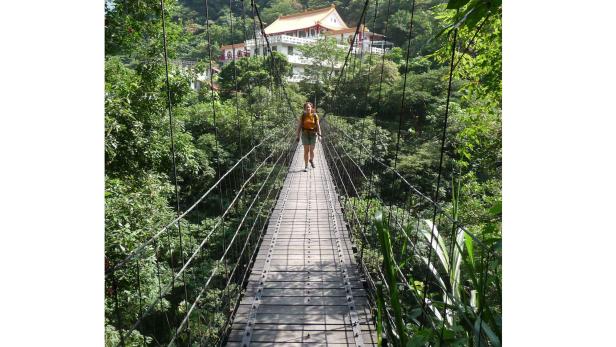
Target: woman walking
(309, 127)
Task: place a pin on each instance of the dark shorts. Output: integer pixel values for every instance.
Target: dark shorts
(309, 137)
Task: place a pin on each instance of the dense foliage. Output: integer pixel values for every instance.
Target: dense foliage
(145, 298)
(365, 115)
(443, 285)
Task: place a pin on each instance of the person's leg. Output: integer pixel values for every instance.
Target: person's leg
(306, 152)
(312, 155)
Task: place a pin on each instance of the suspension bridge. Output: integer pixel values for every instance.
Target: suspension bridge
(296, 258)
(305, 287)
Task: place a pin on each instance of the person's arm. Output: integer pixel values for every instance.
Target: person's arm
(319, 127)
(299, 129)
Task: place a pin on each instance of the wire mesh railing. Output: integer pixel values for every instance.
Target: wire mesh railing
(180, 284)
(163, 294)
(436, 296)
(433, 280)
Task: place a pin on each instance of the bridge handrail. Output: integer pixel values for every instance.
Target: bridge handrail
(194, 254)
(397, 222)
(142, 247)
(214, 271)
(423, 196)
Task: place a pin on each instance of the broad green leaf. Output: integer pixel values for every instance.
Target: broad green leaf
(494, 340)
(469, 247)
(438, 244)
(434, 272)
(456, 275)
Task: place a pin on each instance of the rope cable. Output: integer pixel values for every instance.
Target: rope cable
(419, 193)
(406, 71)
(442, 152)
(200, 247)
(142, 247)
(173, 154)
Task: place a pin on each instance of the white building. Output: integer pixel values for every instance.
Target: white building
(288, 32)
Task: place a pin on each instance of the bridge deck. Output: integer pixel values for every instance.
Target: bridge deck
(304, 288)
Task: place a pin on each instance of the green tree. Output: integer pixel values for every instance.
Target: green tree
(280, 8)
(326, 59)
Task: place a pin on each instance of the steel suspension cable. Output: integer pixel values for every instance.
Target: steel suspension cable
(247, 239)
(363, 13)
(439, 285)
(400, 226)
(442, 152)
(435, 203)
(200, 247)
(223, 257)
(382, 277)
(173, 154)
(419, 193)
(278, 73)
(141, 247)
(378, 107)
(406, 71)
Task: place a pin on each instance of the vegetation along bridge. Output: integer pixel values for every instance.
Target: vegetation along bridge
(365, 249)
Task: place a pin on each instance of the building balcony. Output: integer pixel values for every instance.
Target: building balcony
(291, 40)
(363, 47)
(298, 59)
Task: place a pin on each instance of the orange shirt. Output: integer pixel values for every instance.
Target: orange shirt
(309, 121)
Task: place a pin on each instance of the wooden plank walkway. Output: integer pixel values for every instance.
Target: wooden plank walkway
(304, 289)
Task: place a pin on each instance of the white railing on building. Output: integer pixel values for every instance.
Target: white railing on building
(281, 39)
(294, 40)
(298, 59)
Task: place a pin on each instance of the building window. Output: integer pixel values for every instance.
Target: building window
(312, 32)
(228, 54)
(290, 50)
(302, 33)
(239, 54)
(274, 49)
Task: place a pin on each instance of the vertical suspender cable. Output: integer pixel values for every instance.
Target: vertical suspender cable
(173, 155)
(209, 44)
(406, 72)
(440, 165)
(378, 107)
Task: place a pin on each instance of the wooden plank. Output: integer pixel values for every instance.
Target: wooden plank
(341, 309)
(281, 292)
(298, 336)
(302, 319)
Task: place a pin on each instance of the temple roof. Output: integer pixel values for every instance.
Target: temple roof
(307, 19)
(234, 45)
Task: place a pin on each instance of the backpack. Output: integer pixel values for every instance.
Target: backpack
(309, 121)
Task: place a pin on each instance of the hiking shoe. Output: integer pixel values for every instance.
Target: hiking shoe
(306, 169)
(311, 163)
